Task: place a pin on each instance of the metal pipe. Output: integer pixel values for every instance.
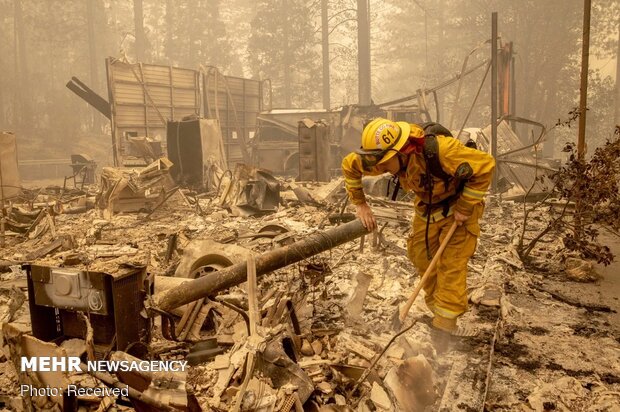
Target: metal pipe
(275, 259)
(436, 88)
(617, 113)
(494, 95)
(513, 89)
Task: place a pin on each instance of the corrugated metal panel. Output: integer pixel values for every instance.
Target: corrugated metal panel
(236, 102)
(313, 152)
(143, 97)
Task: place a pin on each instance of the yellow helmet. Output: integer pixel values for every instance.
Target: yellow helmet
(381, 139)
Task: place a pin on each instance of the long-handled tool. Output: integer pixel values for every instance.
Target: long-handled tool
(399, 316)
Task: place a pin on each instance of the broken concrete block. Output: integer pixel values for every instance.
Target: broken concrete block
(380, 398)
(412, 384)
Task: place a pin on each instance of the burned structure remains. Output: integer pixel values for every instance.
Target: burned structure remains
(220, 237)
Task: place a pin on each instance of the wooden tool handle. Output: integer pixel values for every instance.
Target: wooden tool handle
(429, 270)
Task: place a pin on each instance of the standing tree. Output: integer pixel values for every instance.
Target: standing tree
(7, 66)
(22, 96)
(140, 43)
(196, 34)
(424, 42)
(342, 46)
(284, 47)
(603, 90)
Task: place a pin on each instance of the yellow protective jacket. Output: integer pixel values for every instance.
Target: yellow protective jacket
(457, 160)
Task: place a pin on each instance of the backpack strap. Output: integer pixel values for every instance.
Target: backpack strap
(436, 129)
(431, 156)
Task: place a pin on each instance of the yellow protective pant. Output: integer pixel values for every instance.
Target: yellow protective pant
(446, 287)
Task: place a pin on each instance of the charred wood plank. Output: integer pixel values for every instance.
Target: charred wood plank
(90, 96)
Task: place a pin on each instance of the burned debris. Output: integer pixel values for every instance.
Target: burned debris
(223, 253)
(268, 312)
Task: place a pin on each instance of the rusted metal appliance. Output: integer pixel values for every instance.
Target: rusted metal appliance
(113, 303)
(314, 151)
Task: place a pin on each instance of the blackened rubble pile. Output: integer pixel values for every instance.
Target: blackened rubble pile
(305, 334)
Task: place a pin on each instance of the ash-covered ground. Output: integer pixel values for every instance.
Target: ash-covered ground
(549, 337)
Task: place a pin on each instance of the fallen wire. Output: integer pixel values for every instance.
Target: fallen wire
(346, 252)
(166, 197)
(374, 362)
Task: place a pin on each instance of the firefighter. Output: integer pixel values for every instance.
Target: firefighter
(449, 181)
